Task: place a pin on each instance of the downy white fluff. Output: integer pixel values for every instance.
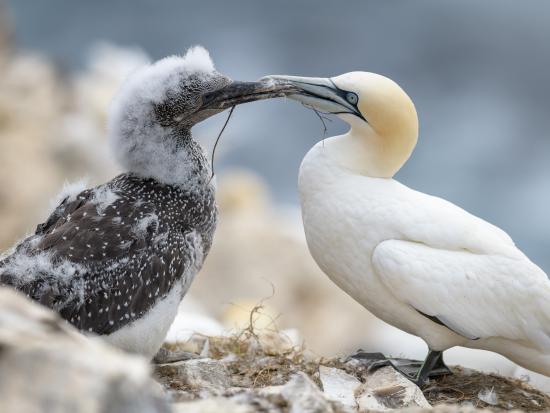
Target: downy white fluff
(103, 197)
(69, 191)
(139, 143)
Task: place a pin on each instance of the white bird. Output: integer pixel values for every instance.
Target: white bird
(415, 261)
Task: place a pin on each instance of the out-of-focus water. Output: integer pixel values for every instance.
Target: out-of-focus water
(477, 71)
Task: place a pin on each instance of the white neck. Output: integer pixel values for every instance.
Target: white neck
(364, 152)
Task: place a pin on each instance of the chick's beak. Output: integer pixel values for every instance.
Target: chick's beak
(238, 92)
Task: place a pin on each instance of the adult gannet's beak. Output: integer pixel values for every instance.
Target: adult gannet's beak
(317, 92)
(238, 92)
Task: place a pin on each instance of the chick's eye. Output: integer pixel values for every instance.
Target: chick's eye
(352, 98)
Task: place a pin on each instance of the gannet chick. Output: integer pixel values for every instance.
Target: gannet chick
(116, 260)
(415, 261)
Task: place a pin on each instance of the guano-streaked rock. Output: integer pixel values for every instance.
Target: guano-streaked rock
(46, 365)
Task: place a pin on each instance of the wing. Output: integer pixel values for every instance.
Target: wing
(101, 259)
(475, 295)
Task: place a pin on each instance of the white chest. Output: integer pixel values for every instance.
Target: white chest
(146, 335)
(340, 249)
(344, 221)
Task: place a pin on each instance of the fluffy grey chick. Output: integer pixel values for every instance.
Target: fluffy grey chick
(116, 260)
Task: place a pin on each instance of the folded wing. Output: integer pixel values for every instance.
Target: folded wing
(475, 295)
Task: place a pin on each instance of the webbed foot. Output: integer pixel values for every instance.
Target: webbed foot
(414, 370)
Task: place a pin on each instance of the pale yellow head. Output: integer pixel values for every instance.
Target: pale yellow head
(383, 119)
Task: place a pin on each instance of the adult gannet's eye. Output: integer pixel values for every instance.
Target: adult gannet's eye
(352, 98)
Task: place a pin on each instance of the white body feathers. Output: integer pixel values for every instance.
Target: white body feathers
(397, 252)
(146, 335)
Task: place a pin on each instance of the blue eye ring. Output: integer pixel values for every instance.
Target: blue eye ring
(352, 98)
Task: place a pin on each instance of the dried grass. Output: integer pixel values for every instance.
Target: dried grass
(464, 386)
(253, 365)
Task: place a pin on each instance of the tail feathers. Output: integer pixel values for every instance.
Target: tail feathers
(520, 352)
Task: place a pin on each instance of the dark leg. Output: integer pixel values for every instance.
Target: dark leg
(433, 360)
(440, 367)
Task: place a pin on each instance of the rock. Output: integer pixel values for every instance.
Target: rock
(387, 389)
(46, 365)
(339, 386)
(180, 396)
(213, 405)
(202, 377)
(263, 401)
(301, 394)
(237, 401)
(274, 343)
(450, 408)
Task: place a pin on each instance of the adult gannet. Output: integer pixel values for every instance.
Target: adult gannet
(416, 261)
(116, 260)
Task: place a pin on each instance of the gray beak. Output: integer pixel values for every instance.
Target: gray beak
(238, 92)
(319, 93)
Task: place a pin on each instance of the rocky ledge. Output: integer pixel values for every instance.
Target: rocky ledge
(264, 372)
(45, 365)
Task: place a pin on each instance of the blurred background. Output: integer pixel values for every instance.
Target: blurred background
(477, 71)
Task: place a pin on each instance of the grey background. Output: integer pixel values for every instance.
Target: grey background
(477, 71)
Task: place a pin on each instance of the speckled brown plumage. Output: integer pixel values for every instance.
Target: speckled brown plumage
(117, 259)
(127, 254)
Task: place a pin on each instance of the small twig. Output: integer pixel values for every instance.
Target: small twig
(321, 118)
(218, 138)
(266, 369)
(258, 310)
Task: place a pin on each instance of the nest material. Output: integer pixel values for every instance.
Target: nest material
(251, 365)
(465, 385)
(261, 359)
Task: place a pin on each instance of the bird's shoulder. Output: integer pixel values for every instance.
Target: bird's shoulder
(98, 224)
(105, 254)
(436, 222)
(397, 211)
(87, 232)
(464, 230)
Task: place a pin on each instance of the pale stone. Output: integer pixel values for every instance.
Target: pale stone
(203, 376)
(213, 405)
(302, 395)
(386, 389)
(339, 386)
(46, 365)
(450, 408)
